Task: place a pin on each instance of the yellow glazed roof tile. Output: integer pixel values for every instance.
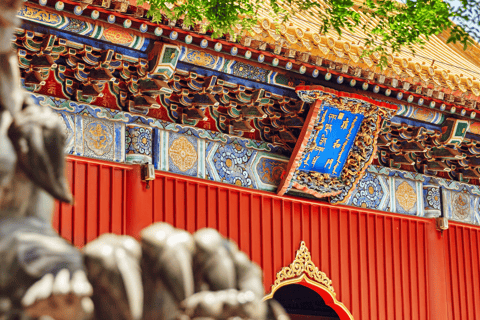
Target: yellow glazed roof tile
(437, 63)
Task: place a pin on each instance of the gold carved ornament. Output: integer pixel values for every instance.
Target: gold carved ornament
(99, 136)
(406, 196)
(118, 36)
(303, 265)
(39, 15)
(183, 154)
(303, 269)
(461, 206)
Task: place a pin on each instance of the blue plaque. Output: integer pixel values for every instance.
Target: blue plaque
(336, 145)
(331, 141)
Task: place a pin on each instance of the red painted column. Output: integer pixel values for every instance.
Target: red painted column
(139, 203)
(436, 273)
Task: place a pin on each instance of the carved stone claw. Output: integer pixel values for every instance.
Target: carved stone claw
(60, 297)
(113, 266)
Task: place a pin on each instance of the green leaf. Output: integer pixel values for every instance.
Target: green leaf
(398, 25)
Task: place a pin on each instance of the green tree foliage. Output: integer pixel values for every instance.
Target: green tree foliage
(390, 25)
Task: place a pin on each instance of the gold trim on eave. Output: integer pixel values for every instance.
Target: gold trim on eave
(302, 269)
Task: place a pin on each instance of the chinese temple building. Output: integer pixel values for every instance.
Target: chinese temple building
(354, 187)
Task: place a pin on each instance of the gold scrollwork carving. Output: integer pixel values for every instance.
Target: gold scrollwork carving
(39, 15)
(303, 265)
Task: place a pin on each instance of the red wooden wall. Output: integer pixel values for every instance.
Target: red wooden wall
(463, 272)
(377, 263)
(100, 190)
(383, 266)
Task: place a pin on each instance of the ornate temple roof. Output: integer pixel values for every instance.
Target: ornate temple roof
(429, 77)
(436, 64)
(107, 53)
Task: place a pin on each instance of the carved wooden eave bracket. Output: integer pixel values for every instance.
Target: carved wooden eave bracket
(337, 142)
(304, 272)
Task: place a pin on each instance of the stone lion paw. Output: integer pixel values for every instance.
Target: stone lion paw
(62, 296)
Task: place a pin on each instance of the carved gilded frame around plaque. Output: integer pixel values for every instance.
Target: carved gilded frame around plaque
(304, 272)
(361, 152)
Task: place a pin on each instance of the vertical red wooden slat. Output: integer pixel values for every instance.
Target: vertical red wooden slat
(455, 290)
(233, 214)
(190, 212)
(334, 237)
(475, 267)
(288, 246)
(389, 267)
(324, 263)
(267, 261)
(124, 202)
(104, 200)
(468, 273)
(412, 269)
(305, 224)
(223, 211)
(296, 224)
(380, 267)
(461, 273)
(244, 223)
(372, 277)
(447, 245)
(277, 235)
(202, 206)
(158, 204)
(78, 219)
(168, 196)
(422, 274)
(255, 234)
(92, 202)
(66, 226)
(362, 266)
(315, 229)
(355, 275)
(179, 197)
(113, 210)
(117, 190)
(405, 273)
(436, 297)
(212, 194)
(344, 285)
